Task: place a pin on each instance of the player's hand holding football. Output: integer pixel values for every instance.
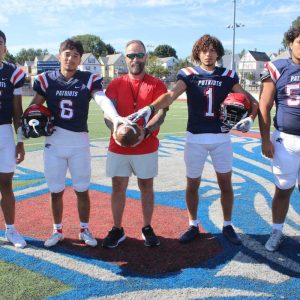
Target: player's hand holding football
(244, 125)
(144, 113)
(120, 120)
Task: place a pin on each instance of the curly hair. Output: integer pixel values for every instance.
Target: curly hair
(292, 34)
(203, 43)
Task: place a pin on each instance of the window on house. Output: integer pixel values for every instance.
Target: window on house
(91, 60)
(88, 67)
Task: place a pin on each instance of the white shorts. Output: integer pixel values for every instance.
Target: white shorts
(195, 156)
(7, 149)
(286, 160)
(144, 166)
(57, 159)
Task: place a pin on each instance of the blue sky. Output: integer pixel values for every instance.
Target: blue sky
(178, 23)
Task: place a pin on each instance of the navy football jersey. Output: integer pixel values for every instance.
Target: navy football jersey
(205, 93)
(68, 100)
(286, 76)
(11, 77)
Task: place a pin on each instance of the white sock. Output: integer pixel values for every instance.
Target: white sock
(277, 226)
(57, 227)
(193, 223)
(227, 223)
(10, 226)
(84, 225)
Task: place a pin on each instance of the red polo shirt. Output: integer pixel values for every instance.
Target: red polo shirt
(130, 95)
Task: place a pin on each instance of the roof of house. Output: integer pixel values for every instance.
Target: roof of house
(85, 56)
(284, 54)
(259, 56)
(112, 58)
(28, 63)
(166, 59)
(47, 57)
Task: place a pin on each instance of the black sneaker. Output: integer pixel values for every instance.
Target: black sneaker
(231, 235)
(114, 238)
(189, 235)
(150, 237)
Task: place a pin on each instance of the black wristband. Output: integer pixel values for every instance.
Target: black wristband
(146, 132)
(152, 107)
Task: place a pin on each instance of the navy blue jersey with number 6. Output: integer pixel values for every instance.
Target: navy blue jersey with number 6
(68, 100)
(205, 93)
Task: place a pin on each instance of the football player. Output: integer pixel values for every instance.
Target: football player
(206, 87)
(281, 84)
(67, 93)
(11, 81)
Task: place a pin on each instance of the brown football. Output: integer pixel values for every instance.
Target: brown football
(128, 135)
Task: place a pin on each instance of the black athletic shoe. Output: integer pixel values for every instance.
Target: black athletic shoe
(150, 237)
(231, 235)
(189, 235)
(114, 238)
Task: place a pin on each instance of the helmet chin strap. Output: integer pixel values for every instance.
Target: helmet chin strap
(34, 123)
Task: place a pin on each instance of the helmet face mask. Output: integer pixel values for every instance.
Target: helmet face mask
(37, 121)
(234, 108)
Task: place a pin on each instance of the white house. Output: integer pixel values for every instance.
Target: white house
(113, 65)
(89, 63)
(167, 62)
(252, 63)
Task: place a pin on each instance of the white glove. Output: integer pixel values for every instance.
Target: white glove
(142, 113)
(120, 120)
(244, 125)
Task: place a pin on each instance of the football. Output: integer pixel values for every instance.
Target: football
(128, 135)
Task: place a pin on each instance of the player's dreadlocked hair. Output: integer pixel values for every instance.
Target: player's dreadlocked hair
(203, 43)
(291, 34)
(71, 44)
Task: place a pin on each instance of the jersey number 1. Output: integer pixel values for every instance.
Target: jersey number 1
(209, 102)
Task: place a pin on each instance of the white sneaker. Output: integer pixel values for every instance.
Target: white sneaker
(54, 239)
(15, 238)
(274, 240)
(88, 238)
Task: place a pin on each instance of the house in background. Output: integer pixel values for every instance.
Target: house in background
(90, 63)
(283, 54)
(113, 66)
(167, 62)
(44, 63)
(226, 60)
(28, 67)
(251, 65)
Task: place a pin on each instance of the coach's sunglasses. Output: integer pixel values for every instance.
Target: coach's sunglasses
(135, 55)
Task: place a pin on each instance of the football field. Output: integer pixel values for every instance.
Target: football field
(209, 267)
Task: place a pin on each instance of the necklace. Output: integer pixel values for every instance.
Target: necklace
(135, 96)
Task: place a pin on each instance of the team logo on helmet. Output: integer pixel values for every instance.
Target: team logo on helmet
(37, 121)
(234, 108)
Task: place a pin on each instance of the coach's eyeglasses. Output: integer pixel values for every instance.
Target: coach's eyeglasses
(135, 55)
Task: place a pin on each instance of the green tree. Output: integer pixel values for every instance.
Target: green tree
(9, 58)
(156, 69)
(164, 51)
(242, 53)
(93, 44)
(182, 63)
(294, 23)
(29, 54)
(110, 49)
